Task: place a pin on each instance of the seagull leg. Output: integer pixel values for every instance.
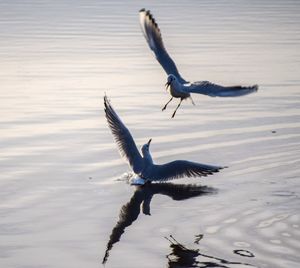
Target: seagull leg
(192, 101)
(177, 108)
(164, 108)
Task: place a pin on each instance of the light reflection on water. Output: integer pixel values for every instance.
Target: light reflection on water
(59, 196)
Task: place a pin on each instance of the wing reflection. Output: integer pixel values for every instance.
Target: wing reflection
(181, 257)
(142, 198)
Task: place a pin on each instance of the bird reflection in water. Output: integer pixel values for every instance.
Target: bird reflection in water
(141, 200)
(182, 257)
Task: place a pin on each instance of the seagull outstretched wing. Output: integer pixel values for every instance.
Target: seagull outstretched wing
(179, 169)
(214, 90)
(154, 39)
(123, 138)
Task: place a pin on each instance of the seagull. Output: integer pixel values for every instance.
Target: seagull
(142, 164)
(177, 86)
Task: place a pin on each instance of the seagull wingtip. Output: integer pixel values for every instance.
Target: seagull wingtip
(106, 101)
(224, 167)
(142, 10)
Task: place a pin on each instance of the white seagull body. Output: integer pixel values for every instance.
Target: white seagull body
(137, 180)
(178, 86)
(142, 164)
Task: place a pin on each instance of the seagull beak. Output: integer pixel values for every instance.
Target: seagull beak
(167, 84)
(149, 142)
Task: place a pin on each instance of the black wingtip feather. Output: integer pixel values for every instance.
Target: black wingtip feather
(153, 21)
(142, 10)
(106, 101)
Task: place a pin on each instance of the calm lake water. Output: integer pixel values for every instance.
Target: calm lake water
(64, 199)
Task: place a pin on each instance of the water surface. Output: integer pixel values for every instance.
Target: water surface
(61, 193)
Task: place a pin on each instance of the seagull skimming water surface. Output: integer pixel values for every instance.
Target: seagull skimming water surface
(142, 164)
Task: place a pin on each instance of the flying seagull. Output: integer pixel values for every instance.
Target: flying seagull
(142, 165)
(178, 87)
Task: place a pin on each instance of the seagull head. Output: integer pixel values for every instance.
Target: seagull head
(171, 78)
(145, 148)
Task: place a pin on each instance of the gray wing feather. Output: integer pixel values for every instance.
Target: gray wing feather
(154, 39)
(181, 168)
(123, 138)
(214, 90)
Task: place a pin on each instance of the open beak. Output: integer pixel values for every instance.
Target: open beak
(167, 84)
(149, 142)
